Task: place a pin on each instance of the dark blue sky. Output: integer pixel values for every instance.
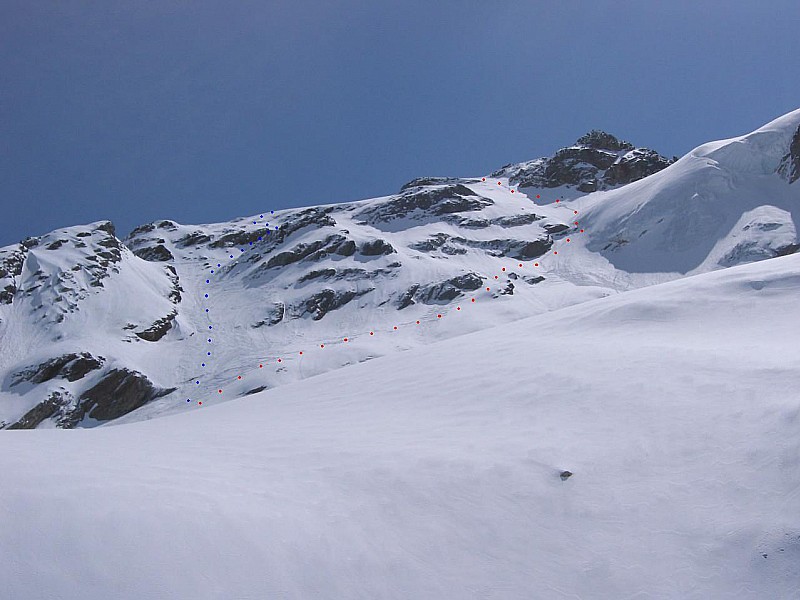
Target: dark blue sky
(203, 111)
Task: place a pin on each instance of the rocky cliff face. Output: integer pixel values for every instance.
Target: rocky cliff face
(596, 161)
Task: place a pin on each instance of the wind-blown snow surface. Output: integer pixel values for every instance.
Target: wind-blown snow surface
(435, 473)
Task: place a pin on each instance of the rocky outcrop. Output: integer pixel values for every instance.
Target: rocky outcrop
(376, 248)
(157, 253)
(479, 223)
(309, 218)
(41, 412)
(441, 292)
(419, 203)
(327, 300)
(517, 249)
(119, 392)
(556, 228)
(106, 253)
(295, 223)
(632, 166)
(466, 222)
(11, 262)
(68, 366)
(517, 220)
(337, 274)
(274, 315)
(440, 242)
(175, 291)
(244, 237)
(333, 244)
(786, 250)
(596, 161)
(194, 238)
(158, 329)
(426, 181)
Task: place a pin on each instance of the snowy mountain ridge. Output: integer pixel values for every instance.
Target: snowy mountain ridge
(95, 329)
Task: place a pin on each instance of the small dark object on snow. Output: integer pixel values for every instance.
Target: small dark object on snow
(565, 475)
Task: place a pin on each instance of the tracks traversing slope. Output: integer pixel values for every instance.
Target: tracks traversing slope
(297, 355)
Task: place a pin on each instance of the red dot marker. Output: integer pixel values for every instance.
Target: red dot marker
(417, 322)
(567, 239)
(239, 377)
(520, 264)
(220, 391)
(487, 289)
(503, 269)
(301, 353)
(438, 316)
(345, 339)
(473, 299)
(458, 308)
(535, 264)
(498, 183)
(395, 327)
(260, 366)
(575, 211)
(512, 191)
(279, 360)
(483, 178)
(537, 195)
(495, 276)
(581, 230)
(372, 333)
(556, 252)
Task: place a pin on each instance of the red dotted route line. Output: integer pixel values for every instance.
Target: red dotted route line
(439, 316)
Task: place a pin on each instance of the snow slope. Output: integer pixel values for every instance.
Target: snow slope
(175, 313)
(693, 216)
(434, 473)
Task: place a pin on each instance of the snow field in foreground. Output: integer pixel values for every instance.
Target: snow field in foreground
(435, 473)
